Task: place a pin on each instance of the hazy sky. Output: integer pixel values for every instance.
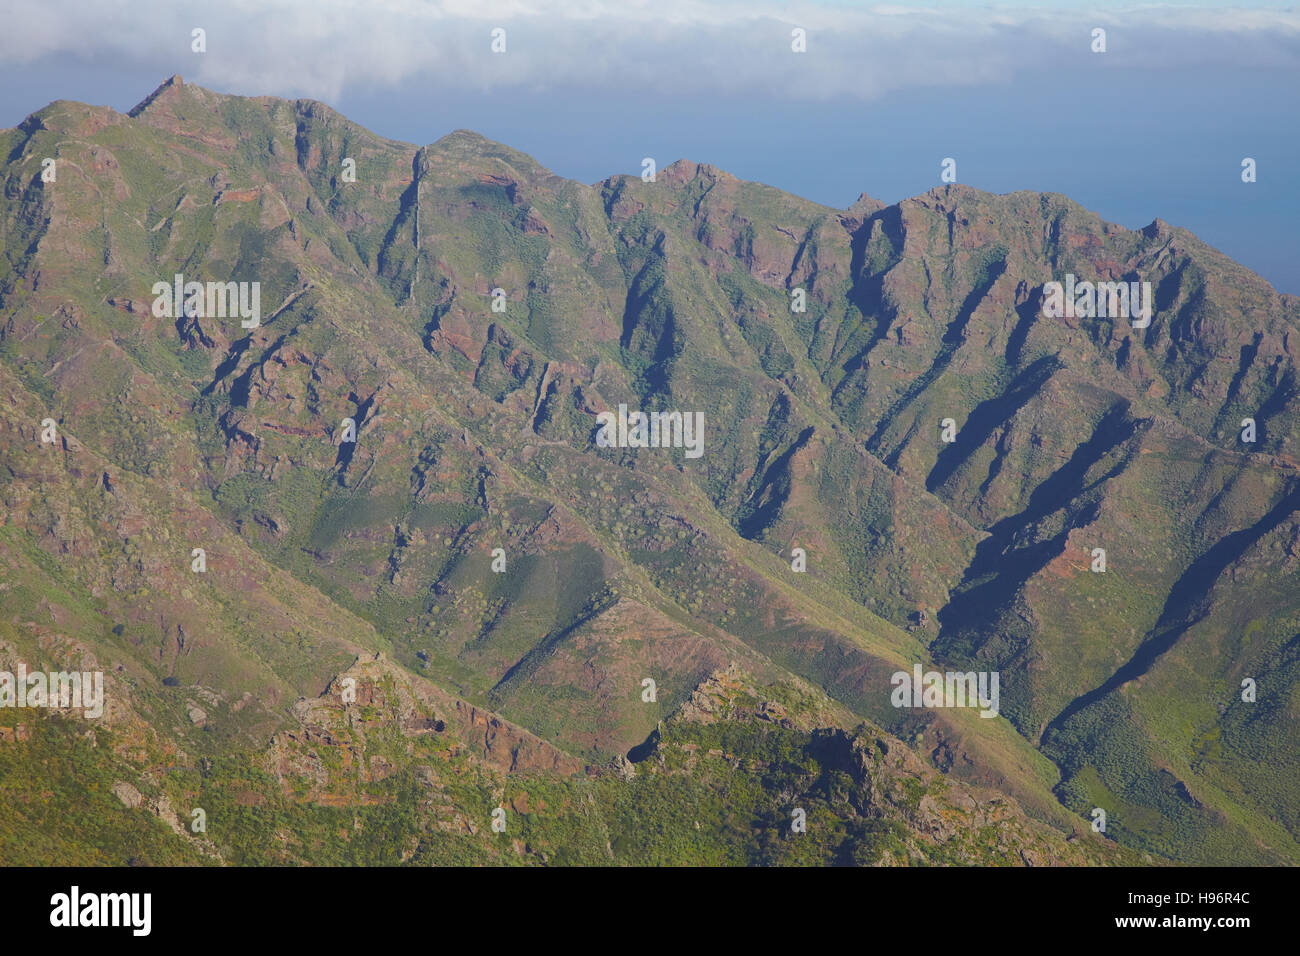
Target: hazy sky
(1157, 126)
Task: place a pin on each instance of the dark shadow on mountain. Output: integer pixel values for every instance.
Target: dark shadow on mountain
(773, 492)
(524, 668)
(390, 269)
(1028, 312)
(867, 292)
(649, 328)
(348, 448)
(988, 416)
(228, 364)
(997, 572)
(1187, 604)
(644, 749)
(953, 336)
(1248, 354)
(1275, 403)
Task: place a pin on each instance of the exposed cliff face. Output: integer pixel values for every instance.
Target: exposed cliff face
(882, 389)
(890, 807)
(377, 696)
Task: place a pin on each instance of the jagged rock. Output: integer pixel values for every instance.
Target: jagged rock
(623, 766)
(129, 795)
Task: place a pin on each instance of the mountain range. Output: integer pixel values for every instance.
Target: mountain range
(366, 588)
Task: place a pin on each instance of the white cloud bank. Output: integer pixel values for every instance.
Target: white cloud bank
(320, 48)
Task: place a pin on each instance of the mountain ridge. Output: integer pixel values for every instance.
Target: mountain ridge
(474, 431)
